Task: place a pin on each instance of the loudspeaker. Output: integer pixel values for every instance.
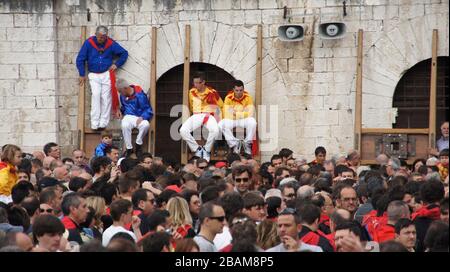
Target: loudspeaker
(332, 30)
(291, 33)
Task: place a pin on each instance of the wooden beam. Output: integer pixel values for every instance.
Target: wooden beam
(258, 85)
(358, 95)
(81, 104)
(152, 97)
(394, 131)
(186, 81)
(432, 113)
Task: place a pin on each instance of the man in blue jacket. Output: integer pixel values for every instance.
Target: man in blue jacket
(99, 52)
(136, 112)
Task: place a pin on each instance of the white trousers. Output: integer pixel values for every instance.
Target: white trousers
(100, 99)
(227, 125)
(194, 122)
(128, 123)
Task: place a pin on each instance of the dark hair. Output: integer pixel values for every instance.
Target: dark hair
(238, 170)
(21, 190)
(138, 196)
(423, 170)
(273, 203)
(120, 242)
(186, 245)
(338, 219)
(165, 196)
(231, 203)
(126, 182)
(37, 163)
(232, 157)
(119, 207)
(157, 218)
(318, 200)
(444, 205)
(352, 226)
(145, 155)
(339, 169)
(205, 182)
(48, 147)
(210, 193)
(285, 152)
(70, 200)
(315, 170)
(99, 162)
(47, 195)
(90, 216)
(200, 75)
(31, 205)
(320, 150)
(374, 183)
(92, 246)
(402, 223)
(25, 166)
(207, 210)
(308, 212)
(128, 164)
(156, 242)
(274, 157)
(252, 199)
(398, 180)
(238, 83)
(412, 187)
(77, 183)
(392, 246)
(17, 216)
(108, 191)
(436, 238)
(444, 152)
(109, 149)
(188, 194)
(432, 191)
(47, 224)
(67, 160)
(322, 184)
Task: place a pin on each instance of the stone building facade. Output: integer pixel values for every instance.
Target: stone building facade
(312, 82)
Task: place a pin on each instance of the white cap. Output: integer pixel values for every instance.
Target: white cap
(272, 193)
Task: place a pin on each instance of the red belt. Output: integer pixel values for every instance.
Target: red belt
(206, 118)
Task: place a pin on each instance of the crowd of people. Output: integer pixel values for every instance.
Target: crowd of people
(143, 203)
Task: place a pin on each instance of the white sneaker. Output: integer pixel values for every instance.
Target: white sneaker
(199, 152)
(206, 154)
(248, 148)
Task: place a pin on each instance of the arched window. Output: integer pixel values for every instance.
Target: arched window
(412, 95)
(169, 92)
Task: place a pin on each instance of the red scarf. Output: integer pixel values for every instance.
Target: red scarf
(432, 213)
(68, 223)
(112, 74)
(325, 219)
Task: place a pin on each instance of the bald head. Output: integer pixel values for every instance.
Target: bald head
(61, 173)
(47, 161)
(382, 159)
(346, 215)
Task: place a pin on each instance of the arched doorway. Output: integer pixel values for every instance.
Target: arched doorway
(169, 92)
(412, 95)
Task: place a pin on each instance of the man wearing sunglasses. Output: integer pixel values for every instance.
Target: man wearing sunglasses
(212, 220)
(288, 228)
(241, 175)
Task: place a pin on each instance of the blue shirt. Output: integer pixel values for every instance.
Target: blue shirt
(100, 150)
(136, 105)
(97, 62)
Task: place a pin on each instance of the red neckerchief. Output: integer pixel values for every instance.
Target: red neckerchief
(211, 98)
(108, 43)
(433, 213)
(311, 238)
(324, 219)
(68, 223)
(12, 168)
(137, 89)
(239, 100)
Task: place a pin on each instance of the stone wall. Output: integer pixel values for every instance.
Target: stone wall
(312, 82)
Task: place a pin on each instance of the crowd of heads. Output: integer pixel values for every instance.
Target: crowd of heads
(146, 203)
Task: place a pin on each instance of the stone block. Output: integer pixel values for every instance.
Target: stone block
(230, 17)
(137, 32)
(20, 20)
(6, 20)
(272, 16)
(35, 87)
(46, 102)
(197, 5)
(143, 18)
(321, 117)
(337, 102)
(38, 139)
(411, 11)
(119, 33)
(249, 4)
(20, 102)
(44, 46)
(9, 71)
(253, 17)
(46, 71)
(5, 46)
(188, 15)
(41, 20)
(22, 46)
(81, 19)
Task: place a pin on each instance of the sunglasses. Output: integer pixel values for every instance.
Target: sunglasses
(288, 211)
(46, 210)
(239, 180)
(220, 218)
(291, 195)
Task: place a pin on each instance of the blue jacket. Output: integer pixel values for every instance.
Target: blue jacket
(137, 104)
(100, 150)
(97, 62)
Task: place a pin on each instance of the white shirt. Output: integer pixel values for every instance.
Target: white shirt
(111, 231)
(223, 239)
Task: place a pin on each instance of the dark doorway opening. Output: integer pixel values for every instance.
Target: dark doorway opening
(169, 92)
(412, 95)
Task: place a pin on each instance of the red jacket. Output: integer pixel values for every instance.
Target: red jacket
(384, 233)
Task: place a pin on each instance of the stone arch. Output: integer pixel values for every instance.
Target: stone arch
(390, 56)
